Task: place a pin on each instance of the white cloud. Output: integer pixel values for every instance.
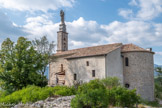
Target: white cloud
(88, 33)
(138, 32)
(81, 33)
(85, 31)
(133, 3)
(34, 5)
(126, 13)
(158, 53)
(41, 26)
(148, 9)
(8, 28)
(77, 43)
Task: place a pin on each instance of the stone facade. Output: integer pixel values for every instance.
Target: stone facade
(62, 35)
(114, 64)
(103, 61)
(54, 68)
(62, 41)
(139, 73)
(78, 67)
(84, 72)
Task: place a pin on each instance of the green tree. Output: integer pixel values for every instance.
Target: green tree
(158, 83)
(20, 64)
(46, 49)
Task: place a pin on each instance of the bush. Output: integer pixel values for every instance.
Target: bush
(110, 82)
(3, 93)
(34, 93)
(91, 95)
(64, 90)
(119, 96)
(158, 87)
(101, 93)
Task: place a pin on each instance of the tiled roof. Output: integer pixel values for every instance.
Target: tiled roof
(89, 51)
(132, 47)
(99, 50)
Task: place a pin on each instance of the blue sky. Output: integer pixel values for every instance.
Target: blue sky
(89, 22)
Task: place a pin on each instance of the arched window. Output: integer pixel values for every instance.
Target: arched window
(126, 61)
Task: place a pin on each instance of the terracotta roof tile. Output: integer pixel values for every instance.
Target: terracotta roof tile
(132, 47)
(99, 50)
(89, 51)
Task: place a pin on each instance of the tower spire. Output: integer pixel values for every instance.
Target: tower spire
(62, 25)
(62, 35)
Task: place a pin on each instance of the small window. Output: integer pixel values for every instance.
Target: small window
(61, 67)
(127, 85)
(75, 76)
(126, 61)
(87, 63)
(93, 73)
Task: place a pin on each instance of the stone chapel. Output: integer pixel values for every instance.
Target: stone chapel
(133, 65)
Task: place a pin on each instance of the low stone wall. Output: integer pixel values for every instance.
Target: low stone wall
(51, 102)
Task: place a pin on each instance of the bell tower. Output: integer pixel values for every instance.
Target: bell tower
(62, 35)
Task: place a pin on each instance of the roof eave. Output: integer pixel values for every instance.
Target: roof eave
(138, 51)
(68, 58)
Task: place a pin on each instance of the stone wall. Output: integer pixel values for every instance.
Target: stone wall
(58, 102)
(84, 73)
(114, 64)
(139, 73)
(55, 67)
(78, 66)
(62, 41)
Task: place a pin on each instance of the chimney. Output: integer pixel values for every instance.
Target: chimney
(149, 49)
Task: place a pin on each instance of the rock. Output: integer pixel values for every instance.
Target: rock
(50, 102)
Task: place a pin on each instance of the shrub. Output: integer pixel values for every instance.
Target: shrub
(101, 93)
(64, 90)
(158, 87)
(110, 82)
(46, 92)
(119, 96)
(3, 93)
(91, 95)
(35, 93)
